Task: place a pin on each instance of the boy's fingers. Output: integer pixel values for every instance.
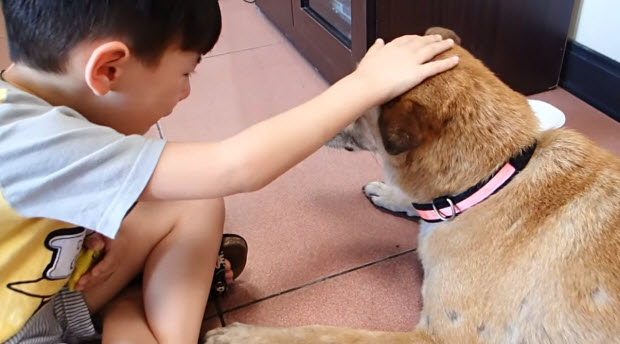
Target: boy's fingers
(430, 39)
(431, 50)
(376, 46)
(95, 242)
(82, 283)
(101, 267)
(435, 67)
(91, 278)
(416, 43)
(83, 280)
(416, 40)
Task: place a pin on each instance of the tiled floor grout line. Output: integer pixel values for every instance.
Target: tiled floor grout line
(320, 280)
(243, 50)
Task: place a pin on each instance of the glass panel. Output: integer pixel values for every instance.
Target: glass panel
(336, 13)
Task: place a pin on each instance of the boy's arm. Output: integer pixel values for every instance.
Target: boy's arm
(256, 156)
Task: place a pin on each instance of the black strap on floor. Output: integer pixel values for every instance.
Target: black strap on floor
(218, 310)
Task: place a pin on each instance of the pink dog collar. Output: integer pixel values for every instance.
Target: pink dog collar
(446, 208)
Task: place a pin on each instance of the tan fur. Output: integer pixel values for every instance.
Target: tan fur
(538, 262)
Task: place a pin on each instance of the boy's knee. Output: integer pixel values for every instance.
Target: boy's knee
(217, 203)
(204, 215)
(208, 208)
(150, 222)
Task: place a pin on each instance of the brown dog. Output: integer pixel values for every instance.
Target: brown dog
(533, 255)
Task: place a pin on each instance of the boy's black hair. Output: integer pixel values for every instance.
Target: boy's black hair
(41, 33)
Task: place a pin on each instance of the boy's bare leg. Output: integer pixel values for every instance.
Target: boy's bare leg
(175, 244)
(178, 274)
(125, 321)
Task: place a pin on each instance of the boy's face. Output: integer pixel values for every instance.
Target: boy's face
(145, 94)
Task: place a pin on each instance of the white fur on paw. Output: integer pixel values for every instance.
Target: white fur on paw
(232, 334)
(389, 197)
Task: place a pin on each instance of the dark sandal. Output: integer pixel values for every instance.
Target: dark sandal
(234, 249)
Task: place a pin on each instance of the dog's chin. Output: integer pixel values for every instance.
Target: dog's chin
(347, 148)
(348, 143)
(339, 143)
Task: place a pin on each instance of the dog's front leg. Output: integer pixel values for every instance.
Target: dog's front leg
(247, 334)
(389, 197)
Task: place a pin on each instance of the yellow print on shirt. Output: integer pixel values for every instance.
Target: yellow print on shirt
(63, 244)
(38, 256)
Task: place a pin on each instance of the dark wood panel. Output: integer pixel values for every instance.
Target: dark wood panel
(522, 41)
(363, 13)
(332, 58)
(279, 12)
(328, 54)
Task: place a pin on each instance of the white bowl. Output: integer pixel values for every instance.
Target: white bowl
(549, 116)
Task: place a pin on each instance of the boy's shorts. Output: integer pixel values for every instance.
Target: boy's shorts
(64, 319)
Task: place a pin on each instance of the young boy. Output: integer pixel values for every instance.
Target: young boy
(88, 78)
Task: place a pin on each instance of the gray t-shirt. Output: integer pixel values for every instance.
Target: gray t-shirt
(56, 164)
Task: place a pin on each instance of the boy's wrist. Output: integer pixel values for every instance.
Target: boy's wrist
(366, 90)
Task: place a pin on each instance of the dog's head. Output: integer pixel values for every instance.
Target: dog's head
(450, 131)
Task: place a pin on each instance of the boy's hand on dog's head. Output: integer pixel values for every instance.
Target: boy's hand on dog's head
(393, 68)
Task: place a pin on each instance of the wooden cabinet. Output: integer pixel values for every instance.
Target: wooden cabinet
(522, 41)
(303, 22)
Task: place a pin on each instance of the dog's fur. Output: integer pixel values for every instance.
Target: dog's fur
(538, 262)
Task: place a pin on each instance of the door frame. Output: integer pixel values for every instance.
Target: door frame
(328, 53)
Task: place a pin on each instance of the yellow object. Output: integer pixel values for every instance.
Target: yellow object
(85, 260)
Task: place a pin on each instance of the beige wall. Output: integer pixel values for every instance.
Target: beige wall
(595, 25)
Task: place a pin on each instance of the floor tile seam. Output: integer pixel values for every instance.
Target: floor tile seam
(243, 50)
(320, 280)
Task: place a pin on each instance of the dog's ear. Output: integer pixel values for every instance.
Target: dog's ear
(445, 34)
(399, 126)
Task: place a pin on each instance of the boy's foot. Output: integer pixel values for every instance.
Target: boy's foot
(229, 273)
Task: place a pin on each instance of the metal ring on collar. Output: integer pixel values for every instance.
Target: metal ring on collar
(440, 215)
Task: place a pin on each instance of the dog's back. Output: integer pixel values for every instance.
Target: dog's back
(538, 263)
(581, 208)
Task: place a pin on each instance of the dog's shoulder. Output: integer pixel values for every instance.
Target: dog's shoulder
(570, 150)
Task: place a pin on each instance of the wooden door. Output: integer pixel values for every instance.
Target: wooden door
(522, 41)
(307, 24)
(279, 13)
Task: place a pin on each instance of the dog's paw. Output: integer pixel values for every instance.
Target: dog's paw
(233, 334)
(389, 197)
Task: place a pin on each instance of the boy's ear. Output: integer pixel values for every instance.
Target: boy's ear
(105, 65)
